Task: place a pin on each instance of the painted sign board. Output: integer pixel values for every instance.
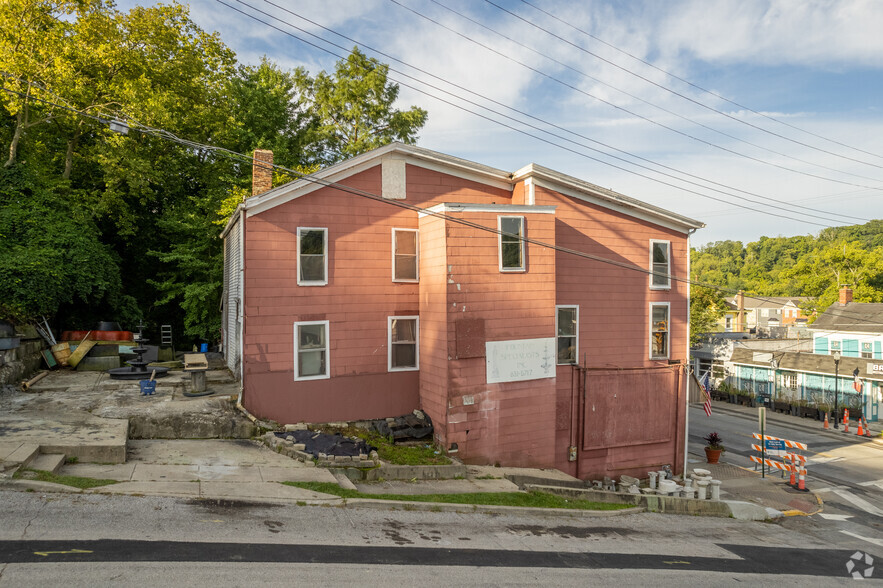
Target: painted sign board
(775, 445)
(520, 360)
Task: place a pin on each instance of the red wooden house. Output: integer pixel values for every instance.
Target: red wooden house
(533, 316)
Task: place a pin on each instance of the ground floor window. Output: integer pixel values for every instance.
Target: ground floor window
(659, 330)
(404, 351)
(567, 329)
(311, 350)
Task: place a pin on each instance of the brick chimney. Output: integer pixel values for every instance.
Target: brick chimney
(845, 295)
(261, 172)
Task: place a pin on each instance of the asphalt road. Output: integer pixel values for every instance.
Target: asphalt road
(80, 540)
(848, 475)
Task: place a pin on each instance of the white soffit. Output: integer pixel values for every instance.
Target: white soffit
(593, 194)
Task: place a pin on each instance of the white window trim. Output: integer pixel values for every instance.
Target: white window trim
(327, 375)
(667, 285)
(416, 249)
(667, 355)
(523, 267)
(576, 334)
(416, 344)
(325, 248)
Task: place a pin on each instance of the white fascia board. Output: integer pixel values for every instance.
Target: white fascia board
(232, 221)
(447, 207)
(588, 192)
(411, 154)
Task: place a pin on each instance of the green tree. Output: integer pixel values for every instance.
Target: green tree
(354, 106)
(51, 252)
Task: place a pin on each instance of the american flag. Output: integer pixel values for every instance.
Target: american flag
(704, 383)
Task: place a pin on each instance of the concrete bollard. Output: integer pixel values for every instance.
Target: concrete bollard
(703, 485)
(653, 476)
(715, 489)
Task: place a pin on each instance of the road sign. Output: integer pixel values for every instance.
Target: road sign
(775, 447)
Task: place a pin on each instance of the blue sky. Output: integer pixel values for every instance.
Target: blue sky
(816, 65)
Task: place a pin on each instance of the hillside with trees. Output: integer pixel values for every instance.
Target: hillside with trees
(812, 265)
(100, 225)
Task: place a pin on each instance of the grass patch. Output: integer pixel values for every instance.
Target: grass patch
(533, 499)
(75, 481)
(414, 454)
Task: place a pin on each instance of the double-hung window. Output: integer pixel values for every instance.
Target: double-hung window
(567, 332)
(659, 330)
(311, 350)
(660, 265)
(405, 249)
(404, 343)
(312, 256)
(867, 350)
(511, 243)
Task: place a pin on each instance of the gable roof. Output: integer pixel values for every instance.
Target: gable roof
(469, 170)
(854, 317)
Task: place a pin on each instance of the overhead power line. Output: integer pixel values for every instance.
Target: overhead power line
(698, 87)
(648, 102)
(312, 178)
(674, 92)
(630, 112)
(785, 206)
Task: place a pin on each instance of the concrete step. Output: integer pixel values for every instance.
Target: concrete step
(18, 458)
(48, 462)
(23, 455)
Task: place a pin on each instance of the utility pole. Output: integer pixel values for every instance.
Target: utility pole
(836, 388)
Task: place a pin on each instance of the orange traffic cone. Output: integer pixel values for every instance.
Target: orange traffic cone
(845, 420)
(801, 480)
(793, 481)
(826, 420)
(867, 428)
(861, 431)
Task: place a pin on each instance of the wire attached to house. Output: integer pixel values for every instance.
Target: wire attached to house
(787, 206)
(312, 178)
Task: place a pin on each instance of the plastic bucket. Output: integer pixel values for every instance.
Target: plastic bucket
(203, 347)
(147, 387)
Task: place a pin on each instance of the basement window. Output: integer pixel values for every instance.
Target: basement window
(511, 243)
(659, 330)
(405, 255)
(311, 351)
(404, 350)
(312, 256)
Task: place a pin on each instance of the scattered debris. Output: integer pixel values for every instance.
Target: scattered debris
(327, 444)
(410, 427)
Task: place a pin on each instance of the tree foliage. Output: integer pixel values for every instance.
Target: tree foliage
(131, 222)
(354, 106)
(813, 266)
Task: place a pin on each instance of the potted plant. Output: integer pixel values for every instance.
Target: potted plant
(714, 447)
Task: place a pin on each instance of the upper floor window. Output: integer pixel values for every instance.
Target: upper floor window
(511, 243)
(659, 331)
(404, 255)
(312, 256)
(660, 264)
(567, 330)
(835, 345)
(404, 350)
(311, 350)
(867, 350)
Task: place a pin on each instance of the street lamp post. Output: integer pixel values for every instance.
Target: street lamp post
(836, 388)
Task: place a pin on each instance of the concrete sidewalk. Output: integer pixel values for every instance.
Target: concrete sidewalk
(771, 492)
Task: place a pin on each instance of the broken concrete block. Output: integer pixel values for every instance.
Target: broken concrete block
(299, 446)
(295, 427)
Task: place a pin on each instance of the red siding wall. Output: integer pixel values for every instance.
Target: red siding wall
(512, 422)
(357, 301)
(516, 423)
(614, 305)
